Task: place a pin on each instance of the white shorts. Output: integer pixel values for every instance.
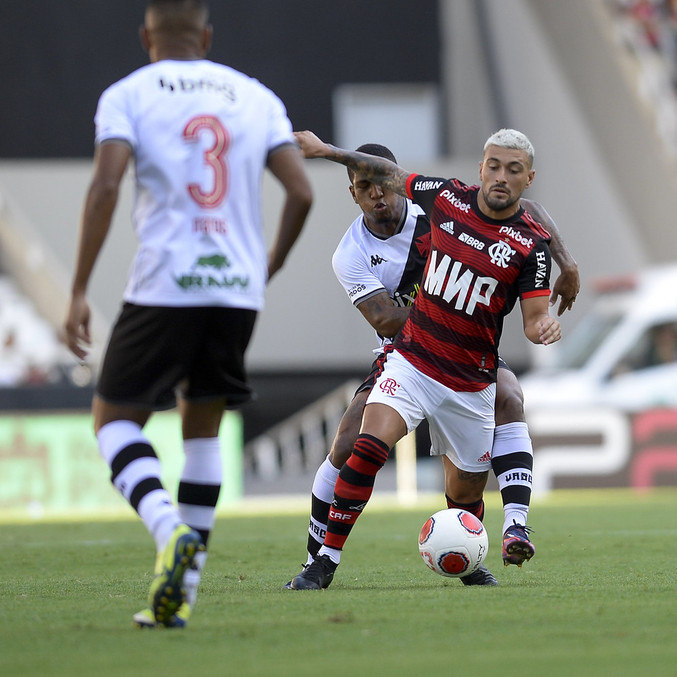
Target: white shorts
(461, 423)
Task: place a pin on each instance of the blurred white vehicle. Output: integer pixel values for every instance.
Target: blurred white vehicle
(622, 354)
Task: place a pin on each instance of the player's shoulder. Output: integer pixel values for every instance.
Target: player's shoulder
(536, 227)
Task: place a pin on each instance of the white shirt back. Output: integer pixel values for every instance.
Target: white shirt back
(201, 133)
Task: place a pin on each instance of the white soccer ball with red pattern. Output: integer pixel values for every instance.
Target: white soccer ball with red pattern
(453, 543)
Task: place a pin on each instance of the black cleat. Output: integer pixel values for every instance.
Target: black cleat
(480, 577)
(315, 576)
(287, 585)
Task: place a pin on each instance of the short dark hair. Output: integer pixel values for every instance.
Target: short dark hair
(373, 149)
(197, 6)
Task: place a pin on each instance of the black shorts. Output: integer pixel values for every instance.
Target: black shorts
(376, 369)
(503, 365)
(154, 351)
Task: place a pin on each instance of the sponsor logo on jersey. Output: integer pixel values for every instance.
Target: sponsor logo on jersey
(541, 269)
(516, 235)
(217, 261)
(356, 290)
(471, 241)
(448, 226)
(406, 299)
(376, 260)
(455, 201)
(197, 280)
(501, 253)
(428, 185)
(188, 85)
(451, 283)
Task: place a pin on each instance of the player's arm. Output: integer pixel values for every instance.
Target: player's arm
(110, 162)
(375, 169)
(568, 282)
(539, 326)
(383, 314)
(286, 164)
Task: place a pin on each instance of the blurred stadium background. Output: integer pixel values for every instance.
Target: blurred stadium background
(591, 82)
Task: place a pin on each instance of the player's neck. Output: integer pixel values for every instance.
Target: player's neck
(176, 51)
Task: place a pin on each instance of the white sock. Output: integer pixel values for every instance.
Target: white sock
(323, 490)
(334, 555)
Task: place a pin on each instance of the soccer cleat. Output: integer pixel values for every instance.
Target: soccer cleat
(166, 592)
(315, 576)
(146, 618)
(517, 548)
(287, 586)
(481, 576)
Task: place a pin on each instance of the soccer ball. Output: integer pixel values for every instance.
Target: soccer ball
(453, 543)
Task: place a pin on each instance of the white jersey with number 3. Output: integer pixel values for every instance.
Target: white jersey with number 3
(201, 134)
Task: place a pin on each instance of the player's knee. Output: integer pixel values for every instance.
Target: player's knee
(342, 448)
(509, 406)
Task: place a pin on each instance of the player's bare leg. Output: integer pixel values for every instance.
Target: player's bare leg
(465, 490)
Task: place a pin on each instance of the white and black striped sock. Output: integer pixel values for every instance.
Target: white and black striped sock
(512, 460)
(135, 473)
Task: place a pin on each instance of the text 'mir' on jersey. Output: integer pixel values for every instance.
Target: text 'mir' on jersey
(477, 269)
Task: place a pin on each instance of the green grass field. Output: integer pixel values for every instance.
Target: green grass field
(599, 598)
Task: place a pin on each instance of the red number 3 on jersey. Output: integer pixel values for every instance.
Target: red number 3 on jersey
(214, 158)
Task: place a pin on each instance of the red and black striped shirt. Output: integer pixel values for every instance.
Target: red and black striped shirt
(477, 269)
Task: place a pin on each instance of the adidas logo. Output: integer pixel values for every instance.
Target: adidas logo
(485, 459)
(448, 226)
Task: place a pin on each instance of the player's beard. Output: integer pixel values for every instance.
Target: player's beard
(498, 204)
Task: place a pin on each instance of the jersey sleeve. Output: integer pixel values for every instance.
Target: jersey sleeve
(280, 127)
(354, 275)
(112, 119)
(423, 190)
(534, 278)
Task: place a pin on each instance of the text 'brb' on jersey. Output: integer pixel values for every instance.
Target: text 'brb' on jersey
(477, 269)
(367, 264)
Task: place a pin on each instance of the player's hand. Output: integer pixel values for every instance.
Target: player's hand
(566, 287)
(76, 326)
(549, 330)
(311, 145)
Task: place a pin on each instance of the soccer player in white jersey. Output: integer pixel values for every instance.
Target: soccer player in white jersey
(200, 135)
(379, 262)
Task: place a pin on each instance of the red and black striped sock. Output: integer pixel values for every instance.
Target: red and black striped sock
(476, 508)
(354, 487)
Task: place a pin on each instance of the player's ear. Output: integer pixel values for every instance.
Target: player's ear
(144, 38)
(352, 192)
(532, 173)
(481, 164)
(207, 35)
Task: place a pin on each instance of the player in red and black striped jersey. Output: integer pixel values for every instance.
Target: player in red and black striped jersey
(486, 252)
(477, 268)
